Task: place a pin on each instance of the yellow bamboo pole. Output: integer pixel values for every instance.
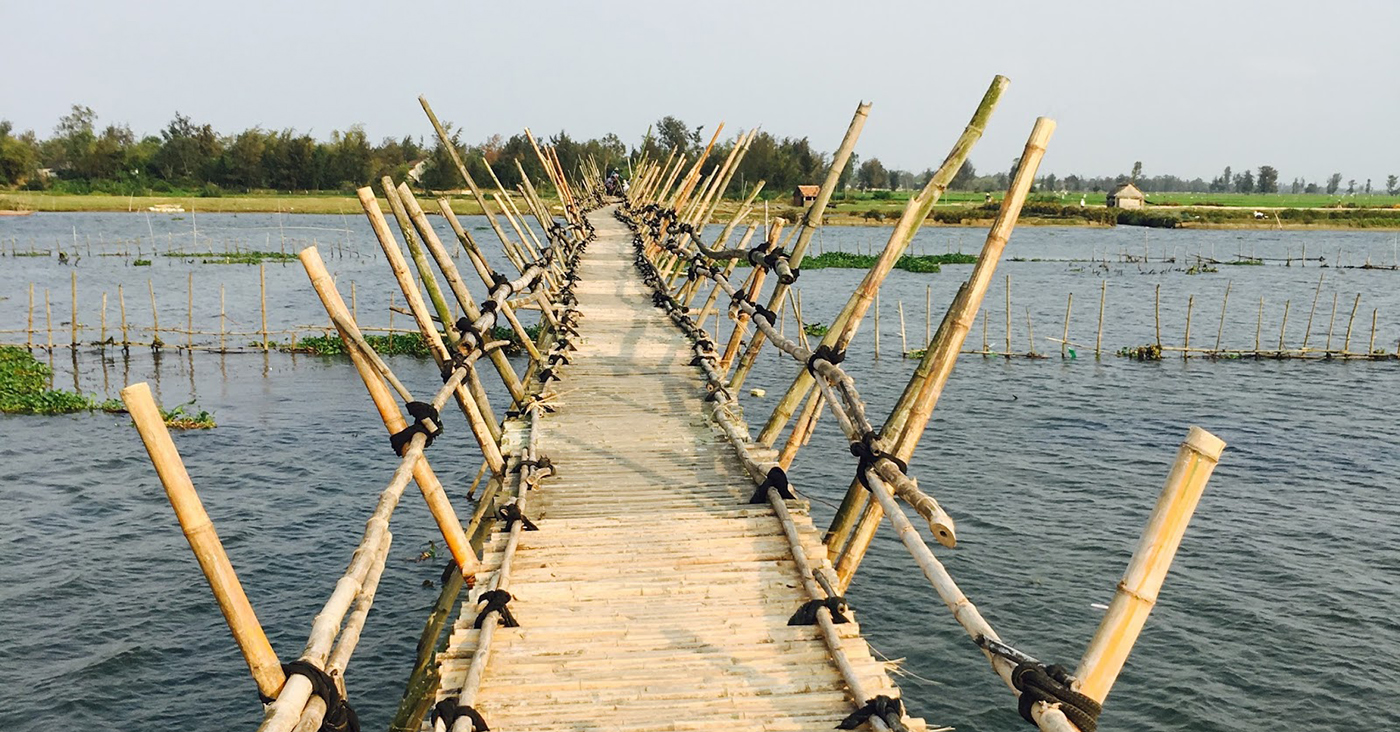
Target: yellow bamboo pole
(208, 550)
(1137, 592)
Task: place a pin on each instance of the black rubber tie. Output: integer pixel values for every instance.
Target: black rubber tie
(870, 455)
(1052, 684)
(448, 710)
(807, 614)
(339, 716)
(510, 513)
(495, 602)
(776, 479)
(422, 413)
(881, 706)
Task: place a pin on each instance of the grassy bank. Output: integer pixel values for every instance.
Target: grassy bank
(24, 389)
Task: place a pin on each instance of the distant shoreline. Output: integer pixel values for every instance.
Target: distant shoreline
(842, 213)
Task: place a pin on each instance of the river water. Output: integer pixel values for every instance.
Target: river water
(1278, 612)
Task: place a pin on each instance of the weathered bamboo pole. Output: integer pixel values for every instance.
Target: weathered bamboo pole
(1346, 343)
(1307, 331)
(262, 296)
(1224, 303)
(102, 327)
(1186, 339)
(1137, 592)
(155, 316)
(73, 322)
(29, 329)
(858, 517)
(121, 301)
(1064, 337)
(1283, 327)
(1157, 314)
(425, 271)
(208, 550)
(1371, 345)
(1259, 327)
(48, 318)
(1331, 321)
(928, 313)
(1103, 296)
(1030, 332)
(844, 326)
(1008, 316)
(223, 319)
(903, 342)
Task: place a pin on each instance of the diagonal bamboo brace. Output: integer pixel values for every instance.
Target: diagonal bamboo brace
(199, 530)
(1137, 592)
(428, 484)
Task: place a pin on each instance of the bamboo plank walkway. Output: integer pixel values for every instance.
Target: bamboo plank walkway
(653, 597)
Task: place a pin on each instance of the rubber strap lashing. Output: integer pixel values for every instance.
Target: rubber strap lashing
(756, 256)
(770, 260)
(540, 465)
(825, 353)
(510, 513)
(715, 393)
(488, 306)
(555, 358)
(762, 312)
(423, 415)
(495, 602)
(339, 716)
(776, 479)
(888, 709)
(869, 455)
(1052, 684)
(548, 374)
(458, 360)
(449, 711)
(807, 614)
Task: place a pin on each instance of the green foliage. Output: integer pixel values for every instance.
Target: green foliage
(24, 390)
(141, 263)
(1149, 352)
(180, 419)
(393, 344)
(232, 257)
(816, 330)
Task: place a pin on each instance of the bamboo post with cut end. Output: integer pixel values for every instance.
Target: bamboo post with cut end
(1064, 337)
(1186, 339)
(1283, 327)
(1030, 332)
(208, 550)
(1137, 592)
(438, 504)
(1307, 331)
(73, 284)
(857, 519)
(262, 298)
(1346, 343)
(1224, 303)
(1103, 297)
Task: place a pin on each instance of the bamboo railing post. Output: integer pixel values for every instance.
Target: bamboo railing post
(1224, 303)
(858, 517)
(262, 299)
(1137, 592)
(1346, 344)
(423, 475)
(1103, 296)
(208, 550)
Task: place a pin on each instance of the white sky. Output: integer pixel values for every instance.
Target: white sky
(1186, 87)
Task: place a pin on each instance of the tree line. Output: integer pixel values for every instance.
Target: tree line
(81, 156)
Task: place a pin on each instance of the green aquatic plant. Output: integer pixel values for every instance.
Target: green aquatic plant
(1149, 352)
(141, 263)
(24, 390)
(250, 257)
(816, 329)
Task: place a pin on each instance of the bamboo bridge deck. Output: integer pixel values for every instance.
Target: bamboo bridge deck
(653, 597)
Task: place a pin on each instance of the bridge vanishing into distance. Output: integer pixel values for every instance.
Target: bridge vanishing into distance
(637, 558)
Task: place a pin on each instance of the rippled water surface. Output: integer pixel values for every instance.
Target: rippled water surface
(1278, 612)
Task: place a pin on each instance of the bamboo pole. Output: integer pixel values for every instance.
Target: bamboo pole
(1186, 339)
(428, 484)
(903, 342)
(121, 300)
(155, 315)
(1346, 343)
(1137, 592)
(1030, 332)
(208, 550)
(262, 299)
(1157, 314)
(1008, 316)
(189, 311)
(1259, 326)
(1371, 345)
(1103, 296)
(223, 320)
(1331, 321)
(1283, 327)
(29, 329)
(102, 333)
(48, 320)
(928, 313)
(73, 285)
(1224, 303)
(858, 517)
(1064, 337)
(1307, 331)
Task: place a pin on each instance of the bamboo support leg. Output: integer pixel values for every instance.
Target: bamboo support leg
(208, 550)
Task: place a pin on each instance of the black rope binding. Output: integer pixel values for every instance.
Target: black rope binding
(1051, 684)
(448, 710)
(339, 716)
(457, 362)
(510, 513)
(495, 602)
(776, 479)
(825, 353)
(870, 455)
(422, 413)
(888, 709)
(807, 614)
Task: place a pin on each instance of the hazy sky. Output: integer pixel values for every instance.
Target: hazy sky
(1186, 87)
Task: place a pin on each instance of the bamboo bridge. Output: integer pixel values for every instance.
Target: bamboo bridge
(637, 558)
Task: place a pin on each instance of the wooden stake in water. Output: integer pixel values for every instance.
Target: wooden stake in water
(29, 329)
(1064, 337)
(1331, 321)
(1224, 302)
(928, 313)
(1283, 327)
(1371, 346)
(223, 319)
(102, 334)
(262, 297)
(189, 311)
(208, 550)
(1030, 332)
(1103, 297)
(986, 346)
(73, 285)
(903, 342)
(1186, 339)
(121, 301)
(48, 318)
(1346, 344)
(155, 315)
(1307, 332)
(354, 304)
(1157, 315)
(1008, 316)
